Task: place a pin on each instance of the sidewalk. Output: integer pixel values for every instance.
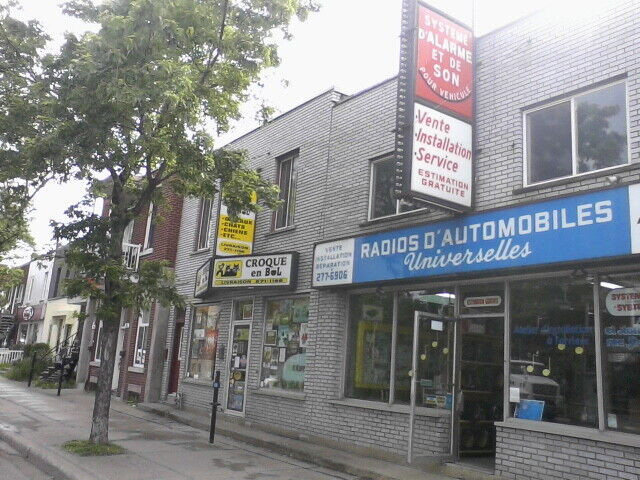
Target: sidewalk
(36, 423)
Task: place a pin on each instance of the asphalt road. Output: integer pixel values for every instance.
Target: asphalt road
(14, 467)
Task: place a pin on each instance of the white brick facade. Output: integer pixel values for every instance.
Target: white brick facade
(531, 61)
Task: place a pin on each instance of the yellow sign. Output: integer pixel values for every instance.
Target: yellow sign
(236, 238)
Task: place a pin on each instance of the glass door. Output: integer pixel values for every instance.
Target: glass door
(432, 366)
(241, 333)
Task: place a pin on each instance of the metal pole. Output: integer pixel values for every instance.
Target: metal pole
(33, 365)
(414, 371)
(60, 377)
(214, 406)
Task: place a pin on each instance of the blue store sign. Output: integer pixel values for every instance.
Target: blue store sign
(588, 226)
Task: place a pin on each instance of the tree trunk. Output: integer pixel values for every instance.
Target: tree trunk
(102, 404)
(110, 316)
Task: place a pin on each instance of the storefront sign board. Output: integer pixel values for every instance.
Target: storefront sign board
(434, 131)
(235, 238)
(624, 302)
(203, 277)
(442, 150)
(272, 270)
(597, 225)
(444, 62)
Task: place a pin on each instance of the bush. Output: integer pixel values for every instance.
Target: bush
(41, 350)
(20, 370)
(54, 385)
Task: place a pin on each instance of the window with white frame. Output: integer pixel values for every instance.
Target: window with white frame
(287, 179)
(577, 135)
(382, 202)
(204, 224)
(141, 340)
(151, 226)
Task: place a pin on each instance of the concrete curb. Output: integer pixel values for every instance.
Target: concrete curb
(49, 462)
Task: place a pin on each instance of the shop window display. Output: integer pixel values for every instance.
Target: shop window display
(285, 344)
(553, 358)
(204, 341)
(369, 370)
(620, 320)
(369, 362)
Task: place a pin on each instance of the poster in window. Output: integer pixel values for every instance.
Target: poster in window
(300, 311)
(304, 335)
(373, 350)
(270, 337)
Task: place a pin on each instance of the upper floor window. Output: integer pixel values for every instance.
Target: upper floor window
(577, 135)
(204, 223)
(141, 339)
(56, 285)
(287, 179)
(382, 201)
(151, 227)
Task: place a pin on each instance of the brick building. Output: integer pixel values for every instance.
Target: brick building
(142, 335)
(525, 356)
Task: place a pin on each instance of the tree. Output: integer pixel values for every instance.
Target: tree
(22, 171)
(136, 100)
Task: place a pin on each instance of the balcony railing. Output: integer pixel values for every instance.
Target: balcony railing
(131, 255)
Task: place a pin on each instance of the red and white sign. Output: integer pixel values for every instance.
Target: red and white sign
(487, 301)
(624, 302)
(442, 156)
(444, 63)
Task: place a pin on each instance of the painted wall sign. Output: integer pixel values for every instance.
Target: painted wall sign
(235, 238)
(596, 225)
(203, 277)
(624, 302)
(444, 63)
(442, 156)
(434, 133)
(478, 302)
(273, 270)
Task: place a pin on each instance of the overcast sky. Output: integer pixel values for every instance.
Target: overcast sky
(349, 44)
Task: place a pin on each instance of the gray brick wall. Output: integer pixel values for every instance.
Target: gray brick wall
(533, 60)
(525, 455)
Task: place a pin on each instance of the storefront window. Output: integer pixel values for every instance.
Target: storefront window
(285, 344)
(204, 341)
(369, 361)
(553, 359)
(371, 336)
(620, 320)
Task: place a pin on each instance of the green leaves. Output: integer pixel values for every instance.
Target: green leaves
(140, 100)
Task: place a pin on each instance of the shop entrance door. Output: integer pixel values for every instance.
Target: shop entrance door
(238, 367)
(480, 369)
(432, 368)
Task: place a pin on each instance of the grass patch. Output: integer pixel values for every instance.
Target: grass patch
(54, 385)
(85, 448)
